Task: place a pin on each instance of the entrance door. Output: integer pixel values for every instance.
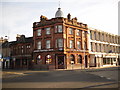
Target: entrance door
(86, 62)
(60, 62)
(95, 62)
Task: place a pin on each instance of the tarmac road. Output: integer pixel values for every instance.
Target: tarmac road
(98, 78)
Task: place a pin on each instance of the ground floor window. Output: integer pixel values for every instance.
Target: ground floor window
(48, 59)
(39, 60)
(72, 59)
(109, 61)
(79, 59)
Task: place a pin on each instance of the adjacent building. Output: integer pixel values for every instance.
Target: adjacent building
(60, 43)
(21, 52)
(5, 56)
(104, 48)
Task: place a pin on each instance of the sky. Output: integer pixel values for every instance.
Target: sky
(18, 16)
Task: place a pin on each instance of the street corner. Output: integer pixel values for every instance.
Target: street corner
(11, 74)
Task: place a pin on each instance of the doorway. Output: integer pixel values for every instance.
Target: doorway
(86, 62)
(61, 63)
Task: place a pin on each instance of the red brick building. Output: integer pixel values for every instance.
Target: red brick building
(21, 52)
(60, 43)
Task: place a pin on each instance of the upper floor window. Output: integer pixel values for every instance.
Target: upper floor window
(48, 30)
(90, 34)
(85, 34)
(85, 45)
(95, 35)
(48, 44)
(39, 32)
(70, 30)
(71, 44)
(59, 29)
(78, 44)
(78, 32)
(59, 43)
(39, 45)
(22, 46)
(91, 46)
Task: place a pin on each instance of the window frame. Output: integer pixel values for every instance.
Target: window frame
(48, 46)
(71, 31)
(59, 44)
(39, 32)
(48, 32)
(39, 45)
(71, 42)
(79, 45)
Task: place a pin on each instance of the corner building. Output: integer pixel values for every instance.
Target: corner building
(60, 43)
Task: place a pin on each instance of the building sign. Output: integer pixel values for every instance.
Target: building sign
(44, 50)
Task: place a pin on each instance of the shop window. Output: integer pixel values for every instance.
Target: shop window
(48, 59)
(80, 59)
(39, 59)
(72, 59)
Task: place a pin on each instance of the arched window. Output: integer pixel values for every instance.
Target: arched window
(39, 59)
(48, 59)
(79, 59)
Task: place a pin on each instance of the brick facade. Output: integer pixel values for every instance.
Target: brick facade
(61, 57)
